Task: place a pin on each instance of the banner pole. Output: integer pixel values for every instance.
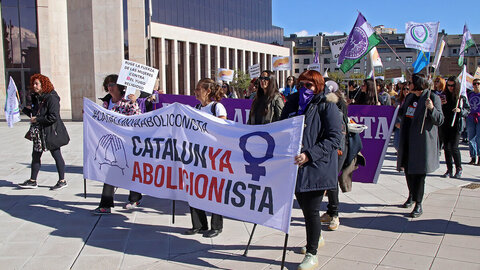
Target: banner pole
(394, 53)
(284, 251)
(249, 240)
(173, 212)
(84, 188)
(425, 114)
(456, 107)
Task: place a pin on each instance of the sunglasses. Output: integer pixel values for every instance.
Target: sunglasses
(477, 83)
(307, 85)
(111, 84)
(264, 78)
(224, 86)
(450, 85)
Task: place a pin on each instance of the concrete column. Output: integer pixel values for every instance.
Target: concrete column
(137, 43)
(227, 57)
(244, 57)
(198, 67)
(207, 61)
(217, 58)
(3, 80)
(234, 59)
(186, 68)
(250, 60)
(162, 56)
(175, 66)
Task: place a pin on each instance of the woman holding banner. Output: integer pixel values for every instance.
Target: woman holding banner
(421, 115)
(268, 103)
(209, 94)
(455, 109)
(47, 131)
(318, 160)
(115, 101)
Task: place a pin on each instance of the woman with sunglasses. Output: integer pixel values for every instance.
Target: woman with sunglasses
(318, 160)
(421, 115)
(473, 125)
(455, 106)
(115, 101)
(367, 95)
(290, 87)
(268, 103)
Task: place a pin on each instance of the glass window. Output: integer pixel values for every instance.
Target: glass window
(378, 70)
(388, 58)
(356, 70)
(297, 70)
(297, 60)
(326, 60)
(306, 61)
(408, 59)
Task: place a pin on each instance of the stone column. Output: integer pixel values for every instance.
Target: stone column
(186, 68)
(162, 56)
(175, 66)
(3, 80)
(137, 43)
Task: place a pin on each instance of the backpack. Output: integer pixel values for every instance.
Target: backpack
(213, 109)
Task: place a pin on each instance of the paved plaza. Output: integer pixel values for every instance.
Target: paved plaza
(43, 229)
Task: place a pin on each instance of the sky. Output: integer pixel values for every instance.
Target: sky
(309, 17)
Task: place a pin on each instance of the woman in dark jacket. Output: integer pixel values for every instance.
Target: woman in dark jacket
(367, 95)
(47, 129)
(418, 150)
(318, 161)
(268, 103)
(454, 106)
(115, 101)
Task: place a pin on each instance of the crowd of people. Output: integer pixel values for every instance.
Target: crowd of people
(432, 116)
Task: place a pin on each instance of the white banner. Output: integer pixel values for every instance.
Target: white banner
(336, 46)
(12, 112)
(136, 76)
(468, 80)
(254, 71)
(421, 36)
(375, 58)
(314, 67)
(281, 63)
(180, 153)
(224, 74)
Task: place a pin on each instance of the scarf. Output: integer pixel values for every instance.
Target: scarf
(306, 96)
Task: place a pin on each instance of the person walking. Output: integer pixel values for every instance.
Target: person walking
(209, 94)
(47, 130)
(473, 126)
(418, 152)
(115, 101)
(455, 109)
(318, 160)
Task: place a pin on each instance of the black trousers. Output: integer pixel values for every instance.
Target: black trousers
(332, 206)
(451, 138)
(199, 220)
(416, 186)
(107, 196)
(310, 203)
(36, 163)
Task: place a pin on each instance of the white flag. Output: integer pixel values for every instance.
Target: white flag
(375, 58)
(438, 54)
(12, 112)
(421, 36)
(463, 85)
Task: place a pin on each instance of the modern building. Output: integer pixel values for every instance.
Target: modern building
(78, 42)
(304, 49)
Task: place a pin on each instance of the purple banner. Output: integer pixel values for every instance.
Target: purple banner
(237, 109)
(380, 121)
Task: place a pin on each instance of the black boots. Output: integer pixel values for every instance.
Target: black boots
(417, 210)
(473, 161)
(408, 203)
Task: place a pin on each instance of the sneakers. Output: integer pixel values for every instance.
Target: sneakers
(59, 185)
(458, 174)
(321, 243)
(448, 174)
(131, 205)
(102, 211)
(309, 262)
(28, 184)
(325, 218)
(334, 223)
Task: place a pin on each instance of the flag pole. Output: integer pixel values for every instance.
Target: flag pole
(425, 114)
(374, 81)
(399, 58)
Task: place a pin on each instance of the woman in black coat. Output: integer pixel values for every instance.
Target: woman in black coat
(47, 130)
(318, 160)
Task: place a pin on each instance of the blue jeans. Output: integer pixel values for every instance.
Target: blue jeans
(473, 130)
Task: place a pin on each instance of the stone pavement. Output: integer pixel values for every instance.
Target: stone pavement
(43, 229)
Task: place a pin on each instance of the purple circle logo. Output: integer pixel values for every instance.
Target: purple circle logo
(419, 33)
(358, 43)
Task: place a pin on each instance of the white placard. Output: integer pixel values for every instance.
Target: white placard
(224, 74)
(136, 76)
(336, 47)
(281, 63)
(314, 67)
(254, 71)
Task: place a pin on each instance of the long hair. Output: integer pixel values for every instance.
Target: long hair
(456, 90)
(294, 81)
(441, 82)
(419, 82)
(370, 92)
(47, 86)
(216, 90)
(265, 96)
(112, 78)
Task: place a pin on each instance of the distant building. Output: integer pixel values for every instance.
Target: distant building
(304, 49)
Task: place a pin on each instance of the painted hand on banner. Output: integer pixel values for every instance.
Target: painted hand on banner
(110, 151)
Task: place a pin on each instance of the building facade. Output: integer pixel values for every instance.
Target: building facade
(304, 49)
(78, 42)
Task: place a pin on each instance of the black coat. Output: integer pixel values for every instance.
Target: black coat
(322, 133)
(46, 108)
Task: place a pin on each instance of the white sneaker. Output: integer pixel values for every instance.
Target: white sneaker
(334, 223)
(309, 262)
(321, 243)
(131, 205)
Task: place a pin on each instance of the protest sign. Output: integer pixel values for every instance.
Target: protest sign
(237, 109)
(469, 79)
(180, 153)
(380, 121)
(393, 73)
(314, 67)
(336, 46)
(281, 63)
(12, 112)
(477, 73)
(421, 36)
(136, 76)
(254, 71)
(224, 74)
